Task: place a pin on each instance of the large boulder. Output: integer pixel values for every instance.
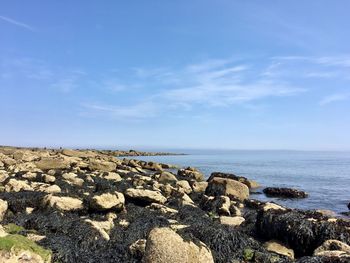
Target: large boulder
(243, 180)
(107, 201)
(284, 192)
(104, 166)
(167, 177)
(48, 163)
(231, 188)
(164, 245)
(63, 203)
(144, 196)
(190, 173)
(25, 155)
(231, 220)
(78, 153)
(14, 185)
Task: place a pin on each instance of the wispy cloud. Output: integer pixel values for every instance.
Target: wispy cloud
(17, 23)
(335, 98)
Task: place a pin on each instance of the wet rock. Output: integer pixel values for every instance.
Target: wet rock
(144, 196)
(164, 245)
(231, 188)
(284, 192)
(107, 201)
(3, 208)
(279, 248)
(216, 204)
(190, 173)
(63, 203)
(231, 220)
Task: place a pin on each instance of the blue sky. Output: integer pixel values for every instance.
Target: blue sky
(176, 74)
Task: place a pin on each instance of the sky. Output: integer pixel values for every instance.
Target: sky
(199, 74)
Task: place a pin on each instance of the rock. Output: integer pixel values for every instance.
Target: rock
(112, 176)
(145, 196)
(162, 208)
(48, 163)
(15, 185)
(231, 188)
(349, 206)
(3, 209)
(332, 245)
(278, 248)
(79, 154)
(73, 179)
(17, 248)
(63, 203)
(241, 179)
(190, 173)
(303, 231)
(138, 248)
(3, 176)
(164, 245)
(167, 177)
(107, 201)
(102, 166)
(231, 221)
(284, 192)
(27, 156)
(46, 188)
(333, 254)
(216, 204)
(49, 178)
(153, 166)
(184, 186)
(199, 187)
(273, 206)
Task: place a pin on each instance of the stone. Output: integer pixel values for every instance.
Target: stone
(330, 245)
(190, 173)
(273, 206)
(138, 248)
(15, 185)
(284, 192)
(107, 201)
(199, 187)
(167, 177)
(49, 178)
(279, 248)
(73, 179)
(3, 209)
(77, 153)
(231, 220)
(231, 188)
(27, 156)
(48, 163)
(165, 245)
(243, 180)
(63, 203)
(184, 186)
(112, 176)
(145, 196)
(104, 166)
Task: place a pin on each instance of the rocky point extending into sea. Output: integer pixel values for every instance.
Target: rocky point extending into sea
(91, 206)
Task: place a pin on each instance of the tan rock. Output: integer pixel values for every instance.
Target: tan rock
(184, 186)
(48, 163)
(3, 208)
(330, 245)
(104, 166)
(231, 221)
(279, 248)
(63, 203)
(273, 206)
(199, 187)
(73, 179)
(164, 245)
(107, 201)
(113, 177)
(228, 187)
(15, 185)
(144, 195)
(167, 177)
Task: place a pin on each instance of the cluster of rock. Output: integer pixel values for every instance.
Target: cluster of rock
(88, 206)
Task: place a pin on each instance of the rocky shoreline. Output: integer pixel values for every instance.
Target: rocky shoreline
(89, 206)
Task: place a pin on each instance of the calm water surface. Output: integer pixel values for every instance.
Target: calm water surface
(324, 175)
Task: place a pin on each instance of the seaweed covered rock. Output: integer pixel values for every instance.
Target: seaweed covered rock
(231, 188)
(284, 192)
(302, 231)
(164, 245)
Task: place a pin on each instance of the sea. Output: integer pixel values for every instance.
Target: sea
(324, 175)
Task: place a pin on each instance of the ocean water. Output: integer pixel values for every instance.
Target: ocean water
(325, 176)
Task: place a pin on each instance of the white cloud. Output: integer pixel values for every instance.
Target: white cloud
(335, 98)
(17, 23)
